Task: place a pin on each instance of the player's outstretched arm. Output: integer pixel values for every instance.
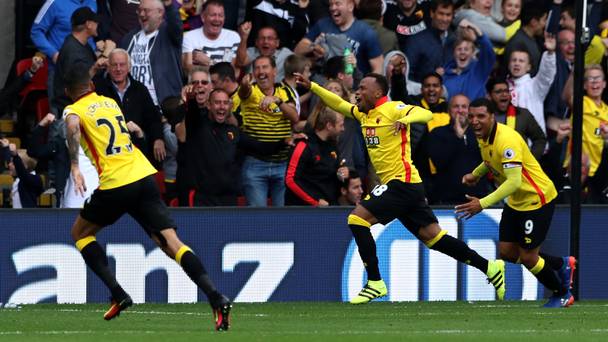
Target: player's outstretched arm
(413, 114)
(332, 100)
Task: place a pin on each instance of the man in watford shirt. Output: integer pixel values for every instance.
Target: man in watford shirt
(595, 131)
(126, 185)
(385, 125)
(527, 214)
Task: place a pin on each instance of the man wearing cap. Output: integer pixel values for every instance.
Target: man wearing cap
(75, 49)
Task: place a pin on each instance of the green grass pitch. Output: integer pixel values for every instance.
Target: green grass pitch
(410, 321)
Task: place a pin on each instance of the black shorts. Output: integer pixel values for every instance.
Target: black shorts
(403, 201)
(140, 199)
(528, 228)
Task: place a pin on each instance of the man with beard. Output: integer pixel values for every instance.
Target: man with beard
(314, 171)
(520, 119)
(401, 194)
(530, 204)
(268, 112)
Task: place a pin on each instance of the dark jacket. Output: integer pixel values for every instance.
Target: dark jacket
(166, 55)
(72, 52)
(136, 106)
(554, 104)
(453, 157)
(311, 172)
(427, 50)
(528, 128)
(54, 150)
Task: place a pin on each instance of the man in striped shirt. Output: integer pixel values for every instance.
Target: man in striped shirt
(268, 112)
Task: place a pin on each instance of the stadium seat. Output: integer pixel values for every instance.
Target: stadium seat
(38, 81)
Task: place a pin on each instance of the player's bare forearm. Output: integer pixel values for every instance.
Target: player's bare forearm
(73, 137)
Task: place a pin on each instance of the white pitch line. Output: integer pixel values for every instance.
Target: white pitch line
(73, 332)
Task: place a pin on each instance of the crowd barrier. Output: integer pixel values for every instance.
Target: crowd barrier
(286, 254)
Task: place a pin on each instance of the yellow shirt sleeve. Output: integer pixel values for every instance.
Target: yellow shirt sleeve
(480, 170)
(509, 186)
(595, 51)
(412, 114)
(334, 101)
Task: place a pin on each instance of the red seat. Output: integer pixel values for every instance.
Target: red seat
(38, 81)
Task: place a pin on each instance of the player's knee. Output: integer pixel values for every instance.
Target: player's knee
(529, 259)
(431, 234)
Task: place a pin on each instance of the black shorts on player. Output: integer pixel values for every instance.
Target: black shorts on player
(140, 199)
(403, 201)
(527, 228)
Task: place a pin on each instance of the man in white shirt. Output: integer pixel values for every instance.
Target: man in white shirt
(155, 49)
(212, 43)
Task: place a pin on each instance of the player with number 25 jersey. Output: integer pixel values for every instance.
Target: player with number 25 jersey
(107, 142)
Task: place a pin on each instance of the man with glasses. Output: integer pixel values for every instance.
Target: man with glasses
(193, 102)
(520, 119)
(155, 49)
(595, 131)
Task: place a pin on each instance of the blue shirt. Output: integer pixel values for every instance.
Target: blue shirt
(363, 39)
(52, 24)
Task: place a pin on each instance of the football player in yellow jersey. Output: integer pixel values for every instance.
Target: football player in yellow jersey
(126, 186)
(527, 214)
(385, 125)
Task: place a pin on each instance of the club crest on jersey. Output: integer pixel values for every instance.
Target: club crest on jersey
(333, 154)
(400, 106)
(509, 153)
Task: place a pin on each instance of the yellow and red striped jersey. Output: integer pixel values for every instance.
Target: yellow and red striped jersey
(506, 148)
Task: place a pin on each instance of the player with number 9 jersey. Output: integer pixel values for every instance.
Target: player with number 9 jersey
(107, 142)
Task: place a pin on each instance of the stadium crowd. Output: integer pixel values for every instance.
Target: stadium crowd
(208, 93)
